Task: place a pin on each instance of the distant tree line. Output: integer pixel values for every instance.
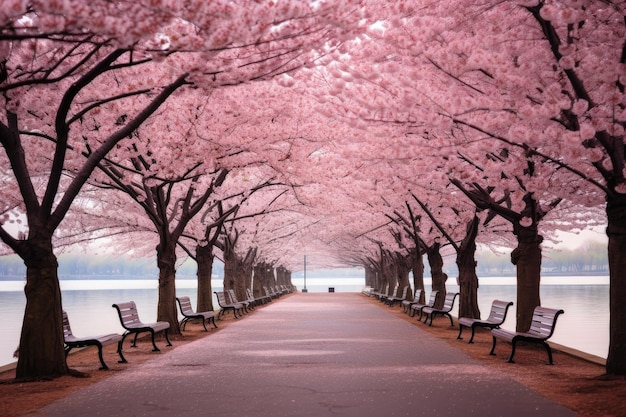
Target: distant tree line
(82, 266)
(591, 258)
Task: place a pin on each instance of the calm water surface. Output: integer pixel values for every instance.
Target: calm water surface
(88, 304)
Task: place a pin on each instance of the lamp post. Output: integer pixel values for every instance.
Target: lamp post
(304, 289)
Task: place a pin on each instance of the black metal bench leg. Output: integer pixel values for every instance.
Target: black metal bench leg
(204, 324)
(513, 345)
(155, 348)
(213, 322)
(104, 365)
(119, 352)
(450, 317)
(167, 337)
(493, 346)
(460, 331)
(547, 346)
(124, 338)
(472, 338)
(134, 344)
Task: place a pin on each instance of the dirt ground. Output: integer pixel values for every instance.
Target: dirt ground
(573, 382)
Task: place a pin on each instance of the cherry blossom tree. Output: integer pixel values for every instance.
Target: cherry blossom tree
(544, 76)
(72, 67)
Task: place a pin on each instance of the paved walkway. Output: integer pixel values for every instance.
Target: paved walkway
(311, 354)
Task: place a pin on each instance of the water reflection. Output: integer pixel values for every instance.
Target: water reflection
(586, 306)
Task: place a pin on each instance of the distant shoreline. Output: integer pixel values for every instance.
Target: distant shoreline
(219, 278)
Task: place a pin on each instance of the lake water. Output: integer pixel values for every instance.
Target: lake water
(88, 304)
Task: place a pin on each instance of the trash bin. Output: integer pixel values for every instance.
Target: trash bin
(331, 289)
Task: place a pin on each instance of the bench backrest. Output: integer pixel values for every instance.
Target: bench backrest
(498, 311)
(405, 291)
(67, 330)
(233, 297)
(128, 313)
(433, 298)
(221, 298)
(544, 320)
(417, 295)
(448, 302)
(185, 306)
(394, 294)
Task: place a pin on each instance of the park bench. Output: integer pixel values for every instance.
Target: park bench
(263, 299)
(541, 329)
(392, 300)
(419, 306)
(497, 315)
(129, 318)
(380, 293)
(72, 341)
(367, 290)
(406, 304)
(383, 298)
(247, 305)
(270, 294)
(448, 304)
(226, 306)
(188, 314)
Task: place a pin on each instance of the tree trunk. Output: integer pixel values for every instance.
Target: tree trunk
(616, 231)
(283, 276)
(234, 274)
(204, 259)
(41, 352)
(527, 258)
(402, 272)
(166, 310)
(259, 281)
(230, 270)
(248, 270)
(436, 272)
(468, 280)
(390, 272)
(418, 273)
(271, 277)
(370, 278)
